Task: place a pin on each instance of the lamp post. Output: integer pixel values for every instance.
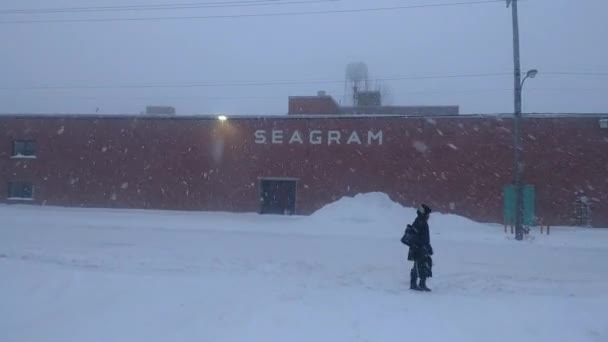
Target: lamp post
(517, 117)
(519, 166)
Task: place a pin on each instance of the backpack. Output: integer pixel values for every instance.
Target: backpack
(409, 236)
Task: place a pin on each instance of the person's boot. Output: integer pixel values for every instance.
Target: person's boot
(422, 286)
(413, 280)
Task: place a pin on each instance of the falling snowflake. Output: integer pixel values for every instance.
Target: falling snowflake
(420, 146)
(453, 147)
(61, 130)
(124, 185)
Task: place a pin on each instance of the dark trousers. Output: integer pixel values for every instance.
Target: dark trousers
(422, 268)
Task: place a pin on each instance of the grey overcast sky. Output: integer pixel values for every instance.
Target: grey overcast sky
(557, 36)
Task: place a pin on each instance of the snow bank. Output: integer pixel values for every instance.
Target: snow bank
(369, 207)
(375, 214)
(378, 207)
(378, 212)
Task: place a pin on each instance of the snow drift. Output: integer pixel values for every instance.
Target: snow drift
(377, 211)
(370, 207)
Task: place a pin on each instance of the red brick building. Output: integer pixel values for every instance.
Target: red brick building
(457, 164)
(312, 105)
(323, 104)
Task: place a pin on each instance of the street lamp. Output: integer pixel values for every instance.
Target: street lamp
(519, 165)
(517, 117)
(530, 74)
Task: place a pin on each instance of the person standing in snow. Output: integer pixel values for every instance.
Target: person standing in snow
(420, 250)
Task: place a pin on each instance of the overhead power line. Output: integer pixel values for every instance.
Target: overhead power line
(134, 6)
(577, 73)
(252, 15)
(286, 82)
(163, 7)
(246, 84)
(284, 97)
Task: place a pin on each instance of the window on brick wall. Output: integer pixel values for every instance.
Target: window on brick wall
(20, 191)
(24, 149)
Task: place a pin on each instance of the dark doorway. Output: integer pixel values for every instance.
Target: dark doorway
(278, 196)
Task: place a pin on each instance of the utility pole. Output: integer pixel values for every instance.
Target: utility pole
(517, 118)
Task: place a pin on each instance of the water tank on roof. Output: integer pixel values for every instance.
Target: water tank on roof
(368, 98)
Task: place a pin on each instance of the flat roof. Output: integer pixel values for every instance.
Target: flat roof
(290, 117)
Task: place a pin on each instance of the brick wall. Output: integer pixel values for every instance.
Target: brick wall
(457, 165)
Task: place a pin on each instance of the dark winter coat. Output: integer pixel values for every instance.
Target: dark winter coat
(421, 247)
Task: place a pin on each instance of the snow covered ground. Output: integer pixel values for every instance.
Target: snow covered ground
(340, 275)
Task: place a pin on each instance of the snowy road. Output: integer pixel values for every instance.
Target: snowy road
(341, 275)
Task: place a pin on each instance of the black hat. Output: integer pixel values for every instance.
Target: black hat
(424, 209)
